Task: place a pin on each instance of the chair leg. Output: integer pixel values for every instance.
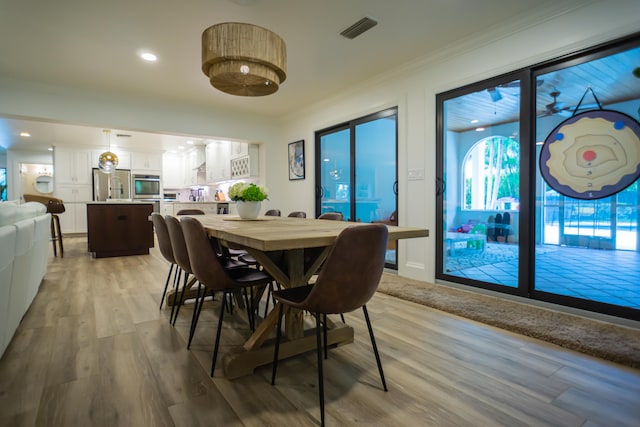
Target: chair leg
(375, 347)
(176, 288)
(324, 331)
(181, 301)
(217, 344)
(277, 346)
(166, 285)
(196, 313)
(53, 235)
(320, 376)
(59, 235)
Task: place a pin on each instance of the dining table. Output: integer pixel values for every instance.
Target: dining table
(291, 250)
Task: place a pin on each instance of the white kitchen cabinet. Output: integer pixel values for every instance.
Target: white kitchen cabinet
(218, 154)
(146, 162)
(72, 166)
(239, 149)
(75, 197)
(194, 160)
(248, 165)
(173, 171)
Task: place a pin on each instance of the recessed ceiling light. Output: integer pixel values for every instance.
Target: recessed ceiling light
(25, 134)
(180, 147)
(148, 56)
(479, 129)
(475, 121)
(50, 148)
(190, 142)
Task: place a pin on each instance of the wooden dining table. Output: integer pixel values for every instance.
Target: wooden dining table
(278, 244)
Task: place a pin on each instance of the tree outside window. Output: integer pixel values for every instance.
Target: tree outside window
(492, 175)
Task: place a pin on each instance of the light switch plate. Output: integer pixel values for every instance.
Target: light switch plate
(415, 174)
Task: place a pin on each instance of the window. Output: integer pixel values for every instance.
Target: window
(3, 184)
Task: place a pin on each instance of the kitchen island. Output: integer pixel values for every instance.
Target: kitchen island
(119, 229)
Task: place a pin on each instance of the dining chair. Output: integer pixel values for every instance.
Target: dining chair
(182, 258)
(272, 212)
(54, 206)
(297, 214)
(348, 280)
(211, 274)
(336, 216)
(164, 242)
(190, 212)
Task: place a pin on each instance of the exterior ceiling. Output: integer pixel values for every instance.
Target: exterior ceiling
(611, 79)
(93, 46)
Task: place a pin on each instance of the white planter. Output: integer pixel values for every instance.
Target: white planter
(248, 210)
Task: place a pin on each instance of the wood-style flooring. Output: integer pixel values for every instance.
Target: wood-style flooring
(95, 350)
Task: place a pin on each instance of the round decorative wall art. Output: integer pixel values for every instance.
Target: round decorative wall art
(592, 155)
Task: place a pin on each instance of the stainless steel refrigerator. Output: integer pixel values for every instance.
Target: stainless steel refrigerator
(116, 185)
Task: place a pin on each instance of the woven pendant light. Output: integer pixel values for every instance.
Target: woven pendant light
(243, 59)
(108, 161)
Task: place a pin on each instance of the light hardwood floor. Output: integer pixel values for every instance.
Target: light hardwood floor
(95, 350)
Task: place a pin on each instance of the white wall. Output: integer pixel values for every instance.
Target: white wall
(413, 90)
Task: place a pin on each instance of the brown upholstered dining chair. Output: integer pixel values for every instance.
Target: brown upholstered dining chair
(211, 273)
(190, 212)
(181, 256)
(273, 212)
(164, 242)
(348, 280)
(297, 214)
(336, 216)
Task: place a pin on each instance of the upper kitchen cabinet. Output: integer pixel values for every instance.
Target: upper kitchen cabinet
(195, 160)
(239, 149)
(246, 166)
(218, 155)
(173, 170)
(146, 162)
(73, 166)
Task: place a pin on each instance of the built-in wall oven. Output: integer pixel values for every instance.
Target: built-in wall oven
(146, 187)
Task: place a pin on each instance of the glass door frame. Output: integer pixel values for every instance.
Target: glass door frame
(526, 189)
(351, 126)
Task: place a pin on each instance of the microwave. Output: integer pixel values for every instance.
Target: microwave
(146, 186)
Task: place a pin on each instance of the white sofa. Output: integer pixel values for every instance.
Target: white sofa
(24, 239)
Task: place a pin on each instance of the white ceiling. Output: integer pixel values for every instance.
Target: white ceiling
(93, 45)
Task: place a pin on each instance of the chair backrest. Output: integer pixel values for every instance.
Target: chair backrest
(178, 244)
(53, 204)
(164, 241)
(190, 212)
(352, 270)
(272, 212)
(335, 216)
(297, 214)
(204, 260)
(506, 218)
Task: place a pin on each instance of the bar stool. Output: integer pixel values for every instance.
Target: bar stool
(54, 206)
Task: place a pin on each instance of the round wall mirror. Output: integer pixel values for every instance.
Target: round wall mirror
(44, 184)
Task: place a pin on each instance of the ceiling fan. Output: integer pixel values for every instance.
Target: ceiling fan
(556, 107)
(494, 91)
(561, 108)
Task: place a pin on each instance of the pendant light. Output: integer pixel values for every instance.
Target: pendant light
(243, 59)
(108, 161)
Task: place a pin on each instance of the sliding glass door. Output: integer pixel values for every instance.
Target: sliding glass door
(357, 171)
(537, 175)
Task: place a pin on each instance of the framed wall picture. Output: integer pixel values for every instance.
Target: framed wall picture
(296, 160)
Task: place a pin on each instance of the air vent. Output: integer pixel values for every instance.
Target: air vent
(123, 135)
(359, 27)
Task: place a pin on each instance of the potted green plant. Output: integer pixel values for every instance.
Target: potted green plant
(248, 198)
